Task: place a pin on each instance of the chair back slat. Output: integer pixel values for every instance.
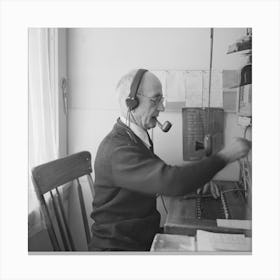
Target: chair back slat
(83, 210)
(59, 223)
(61, 171)
(68, 232)
(91, 185)
(47, 217)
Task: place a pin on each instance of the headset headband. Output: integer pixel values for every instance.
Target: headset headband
(136, 82)
(132, 101)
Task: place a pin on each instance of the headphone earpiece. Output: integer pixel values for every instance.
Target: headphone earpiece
(132, 101)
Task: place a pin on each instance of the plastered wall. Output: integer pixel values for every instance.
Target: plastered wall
(97, 58)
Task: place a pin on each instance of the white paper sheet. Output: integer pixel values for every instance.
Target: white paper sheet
(175, 86)
(194, 89)
(243, 224)
(173, 243)
(209, 241)
(216, 96)
(190, 87)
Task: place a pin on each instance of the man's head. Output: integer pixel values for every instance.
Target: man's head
(149, 95)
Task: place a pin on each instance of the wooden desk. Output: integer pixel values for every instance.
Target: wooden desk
(182, 214)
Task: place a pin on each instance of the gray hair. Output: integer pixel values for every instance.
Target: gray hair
(123, 90)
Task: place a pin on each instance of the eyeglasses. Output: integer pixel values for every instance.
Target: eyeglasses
(156, 101)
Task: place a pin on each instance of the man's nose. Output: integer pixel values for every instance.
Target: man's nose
(161, 107)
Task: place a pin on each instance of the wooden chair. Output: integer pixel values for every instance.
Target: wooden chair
(47, 178)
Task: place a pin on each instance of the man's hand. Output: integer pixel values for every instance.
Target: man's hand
(212, 187)
(237, 150)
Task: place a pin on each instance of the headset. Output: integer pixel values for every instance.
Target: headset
(132, 101)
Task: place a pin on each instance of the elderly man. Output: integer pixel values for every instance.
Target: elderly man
(129, 176)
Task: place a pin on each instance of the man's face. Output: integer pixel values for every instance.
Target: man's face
(150, 101)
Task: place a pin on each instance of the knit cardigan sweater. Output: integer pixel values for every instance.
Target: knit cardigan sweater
(128, 176)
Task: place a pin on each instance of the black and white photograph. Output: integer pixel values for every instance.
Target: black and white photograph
(140, 140)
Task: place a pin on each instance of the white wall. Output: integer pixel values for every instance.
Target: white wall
(97, 58)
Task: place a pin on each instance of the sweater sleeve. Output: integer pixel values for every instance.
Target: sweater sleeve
(140, 172)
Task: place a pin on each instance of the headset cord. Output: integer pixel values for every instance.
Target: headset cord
(127, 116)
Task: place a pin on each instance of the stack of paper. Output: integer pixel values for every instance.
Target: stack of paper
(210, 241)
(229, 223)
(173, 243)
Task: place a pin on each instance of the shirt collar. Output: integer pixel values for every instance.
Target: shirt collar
(138, 131)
